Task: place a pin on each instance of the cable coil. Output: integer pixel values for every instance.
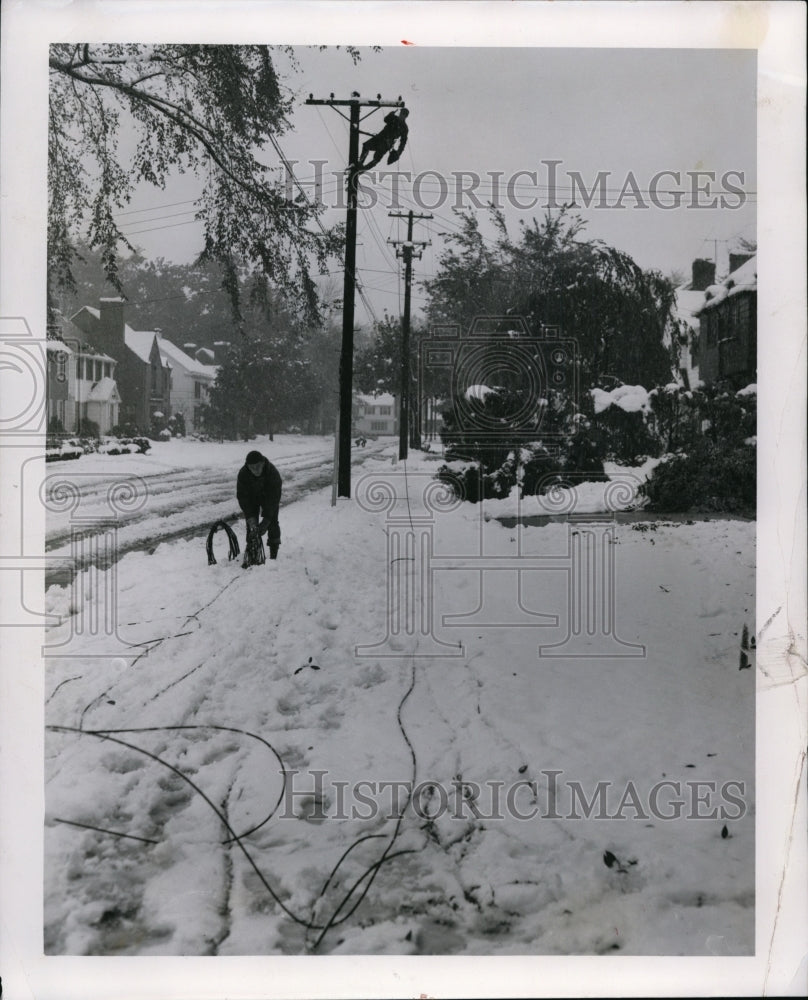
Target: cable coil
(231, 537)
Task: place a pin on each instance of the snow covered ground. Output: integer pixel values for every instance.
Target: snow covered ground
(219, 759)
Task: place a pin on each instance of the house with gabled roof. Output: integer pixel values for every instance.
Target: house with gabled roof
(81, 385)
(376, 415)
(717, 320)
(728, 325)
(143, 377)
(191, 381)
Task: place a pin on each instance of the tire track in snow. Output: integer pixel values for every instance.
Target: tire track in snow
(205, 496)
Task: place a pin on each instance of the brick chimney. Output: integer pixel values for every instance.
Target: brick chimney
(112, 325)
(736, 260)
(703, 274)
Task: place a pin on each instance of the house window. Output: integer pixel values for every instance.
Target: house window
(378, 425)
(385, 411)
(369, 411)
(197, 390)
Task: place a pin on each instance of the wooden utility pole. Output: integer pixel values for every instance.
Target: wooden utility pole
(354, 103)
(406, 249)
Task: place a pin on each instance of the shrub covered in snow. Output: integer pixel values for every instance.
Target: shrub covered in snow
(124, 446)
(60, 449)
(631, 423)
(713, 427)
(712, 477)
(484, 434)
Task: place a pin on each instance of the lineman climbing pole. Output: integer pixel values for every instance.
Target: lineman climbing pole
(355, 105)
(406, 249)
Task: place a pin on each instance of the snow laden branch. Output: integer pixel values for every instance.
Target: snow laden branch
(125, 114)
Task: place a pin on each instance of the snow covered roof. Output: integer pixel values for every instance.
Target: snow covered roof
(104, 391)
(383, 399)
(178, 356)
(139, 341)
(88, 351)
(688, 303)
(742, 279)
(57, 347)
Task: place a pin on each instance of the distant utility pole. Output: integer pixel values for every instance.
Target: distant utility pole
(406, 249)
(355, 103)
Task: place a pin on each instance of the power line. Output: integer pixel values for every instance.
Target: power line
(153, 229)
(154, 208)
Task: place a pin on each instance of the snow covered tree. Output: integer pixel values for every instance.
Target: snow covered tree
(377, 368)
(268, 380)
(121, 114)
(597, 294)
(264, 384)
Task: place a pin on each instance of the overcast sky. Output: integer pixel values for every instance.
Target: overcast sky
(630, 112)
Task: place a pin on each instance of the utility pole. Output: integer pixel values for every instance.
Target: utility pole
(406, 249)
(355, 104)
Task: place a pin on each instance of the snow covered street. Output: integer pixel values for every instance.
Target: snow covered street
(246, 781)
(176, 490)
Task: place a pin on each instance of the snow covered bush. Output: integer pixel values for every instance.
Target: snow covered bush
(621, 425)
(631, 423)
(674, 417)
(712, 477)
(470, 482)
(62, 451)
(126, 430)
(484, 436)
(729, 417)
(124, 446)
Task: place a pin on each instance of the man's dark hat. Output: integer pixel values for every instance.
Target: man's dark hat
(254, 458)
